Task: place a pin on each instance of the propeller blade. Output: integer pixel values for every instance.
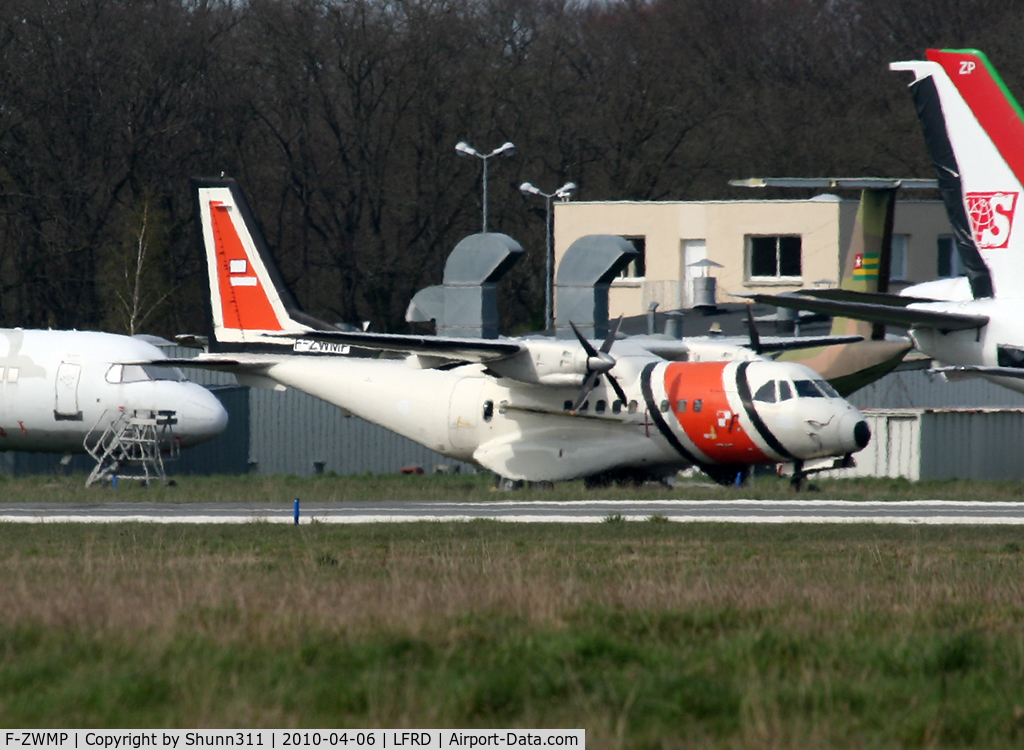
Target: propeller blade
(755, 338)
(587, 347)
(610, 338)
(618, 388)
(588, 386)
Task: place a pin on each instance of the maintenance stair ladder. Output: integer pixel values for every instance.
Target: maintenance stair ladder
(129, 448)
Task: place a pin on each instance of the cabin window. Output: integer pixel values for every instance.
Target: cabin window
(766, 393)
(664, 405)
(774, 257)
(488, 410)
(633, 405)
(567, 406)
(586, 405)
(785, 391)
(681, 405)
(502, 407)
(807, 389)
(616, 407)
(12, 375)
(601, 405)
(698, 404)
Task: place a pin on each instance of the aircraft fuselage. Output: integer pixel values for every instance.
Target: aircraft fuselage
(678, 414)
(59, 387)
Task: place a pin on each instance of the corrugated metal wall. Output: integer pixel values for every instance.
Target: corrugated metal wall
(985, 444)
(916, 389)
(894, 450)
(292, 432)
(982, 444)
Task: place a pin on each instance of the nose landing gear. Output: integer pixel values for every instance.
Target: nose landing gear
(800, 474)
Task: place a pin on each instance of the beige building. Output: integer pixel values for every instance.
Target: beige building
(762, 246)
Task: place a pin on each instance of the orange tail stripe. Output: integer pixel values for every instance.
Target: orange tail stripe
(244, 303)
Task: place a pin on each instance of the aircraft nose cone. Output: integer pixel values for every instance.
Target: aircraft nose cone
(204, 417)
(854, 433)
(861, 434)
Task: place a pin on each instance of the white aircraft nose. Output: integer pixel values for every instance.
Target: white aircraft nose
(202, 418)
(854, 431)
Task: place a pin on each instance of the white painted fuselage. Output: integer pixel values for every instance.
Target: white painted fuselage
(60, 388)
(678, 414)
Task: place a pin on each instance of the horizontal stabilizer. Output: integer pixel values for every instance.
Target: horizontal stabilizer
(447, 347)
(964, 372)
(875, 313)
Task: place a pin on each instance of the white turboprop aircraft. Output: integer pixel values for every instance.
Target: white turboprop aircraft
(527, 409)
(60, 390)
(974, 130)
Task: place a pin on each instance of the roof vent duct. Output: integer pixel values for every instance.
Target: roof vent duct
(584, 276)
(466, 304)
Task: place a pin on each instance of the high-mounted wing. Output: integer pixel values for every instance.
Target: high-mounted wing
(874, 298)
(907, 317)
(444, 347)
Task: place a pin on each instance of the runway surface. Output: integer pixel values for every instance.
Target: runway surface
(590, 511)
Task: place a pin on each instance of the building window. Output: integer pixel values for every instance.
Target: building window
(949, 259)
(898, 262)
(775, 257)
(637, 268)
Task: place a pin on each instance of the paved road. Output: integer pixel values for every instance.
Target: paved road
(739, 511)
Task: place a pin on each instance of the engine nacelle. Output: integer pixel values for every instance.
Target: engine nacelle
(551, 363)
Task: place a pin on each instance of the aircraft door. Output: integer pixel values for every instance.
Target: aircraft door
(466, 411)
(66, 404)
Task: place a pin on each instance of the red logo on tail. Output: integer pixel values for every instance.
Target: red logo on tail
(991, 218)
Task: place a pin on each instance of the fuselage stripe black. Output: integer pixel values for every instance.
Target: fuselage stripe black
(655, 414)
(743, 388)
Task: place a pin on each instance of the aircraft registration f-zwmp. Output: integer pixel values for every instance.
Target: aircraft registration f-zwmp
(60, 390)
(528, 409)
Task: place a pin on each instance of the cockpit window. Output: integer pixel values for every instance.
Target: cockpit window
(140, 373)
(766, 393)
(807, 389)
(785, 392)
(827, 389)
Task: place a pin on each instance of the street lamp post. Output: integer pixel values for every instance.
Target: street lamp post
(464, 149)
(563, 194)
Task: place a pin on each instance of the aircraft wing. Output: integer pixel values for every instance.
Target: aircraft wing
(874, 298)
(875, 313)
(676, 350)
(445, 347)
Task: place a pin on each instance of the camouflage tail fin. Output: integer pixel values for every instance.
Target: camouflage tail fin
(868, 261)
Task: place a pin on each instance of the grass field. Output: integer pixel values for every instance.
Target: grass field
(469, 487)
(648, 634)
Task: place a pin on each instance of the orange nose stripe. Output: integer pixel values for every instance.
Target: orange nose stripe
(701, 406)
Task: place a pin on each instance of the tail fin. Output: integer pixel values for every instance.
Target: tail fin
(974, 130)
(868, 257)
(248, 299)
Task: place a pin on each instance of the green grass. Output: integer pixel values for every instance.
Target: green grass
(646, 634)
(333, 488)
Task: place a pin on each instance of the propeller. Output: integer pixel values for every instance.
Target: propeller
(755, 338)
(599, 362)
